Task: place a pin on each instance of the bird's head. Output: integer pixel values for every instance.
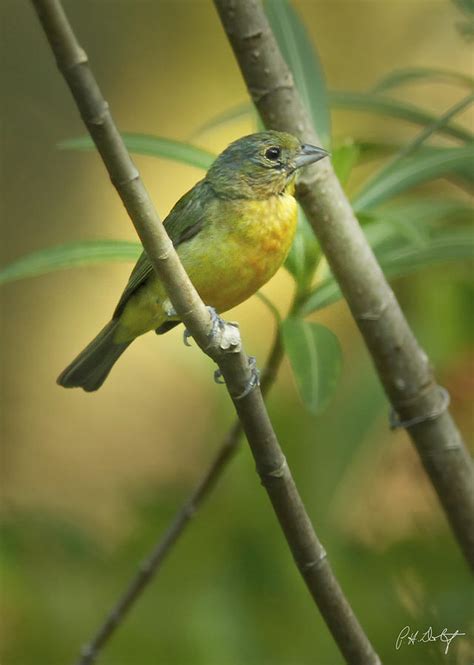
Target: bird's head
(260, 165)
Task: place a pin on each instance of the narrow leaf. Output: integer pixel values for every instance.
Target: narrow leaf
(413, 171)
(303, 61)
(413, 221)
(316, 359)
(327, 293)
(356, 101)
(422, 75)
(270, 305)
(447, 246)
(344, 158)
(232, 114)
(304, 253)
(398, 261)
(155, 146)
(70, 256)
(373, 150)
(435, 126)
(386, 106)
(425, 211)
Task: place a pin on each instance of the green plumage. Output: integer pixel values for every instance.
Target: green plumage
(92, 366)
(232, 231)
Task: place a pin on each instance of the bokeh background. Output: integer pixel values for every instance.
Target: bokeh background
(90, 481)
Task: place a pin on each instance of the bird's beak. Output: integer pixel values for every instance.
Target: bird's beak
(308, 155)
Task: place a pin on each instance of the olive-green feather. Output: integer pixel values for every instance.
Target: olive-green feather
(184, 221)
(92, 366)
(232, 231)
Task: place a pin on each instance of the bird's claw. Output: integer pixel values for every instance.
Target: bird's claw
(217, 323)
(186, 336)
(218, 376)
(217, 326)
(224, 334)
(253, 382)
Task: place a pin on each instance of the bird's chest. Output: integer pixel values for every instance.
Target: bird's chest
(249, 244)
(264, 235)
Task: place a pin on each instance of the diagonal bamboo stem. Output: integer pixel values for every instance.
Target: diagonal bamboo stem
(150, 566)
(403, 367)
(272, 468)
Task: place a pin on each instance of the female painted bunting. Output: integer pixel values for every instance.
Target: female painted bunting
(232, 232)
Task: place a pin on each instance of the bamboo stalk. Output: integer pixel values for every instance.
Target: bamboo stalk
(403, 367)
(224, 348)
(151, 565)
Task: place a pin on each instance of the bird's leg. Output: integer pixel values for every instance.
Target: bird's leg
(218, 376)
(220, 332)
(186, 336)
(252, 382)
(224, 336)
(168, 309)
(216, 324)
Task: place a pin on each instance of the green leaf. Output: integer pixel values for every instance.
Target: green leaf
(344, 158)
(440, 122)
(386, 106)
(422, 75)
(399, 165)
(303, 61)
(451, 245)
(316, 359)
(374, 150)
(230, 115)
(156, 146)
(356, 101)
(325, 294)
(413, 221)
(70, 256)
(304, 253)
(462, 174)
(271, 306)
(398, 259)
(370, 150)
(425, 211)
(403, 175)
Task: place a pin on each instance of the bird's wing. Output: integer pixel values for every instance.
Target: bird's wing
(184, 221)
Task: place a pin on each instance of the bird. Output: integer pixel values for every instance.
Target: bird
(232, 231)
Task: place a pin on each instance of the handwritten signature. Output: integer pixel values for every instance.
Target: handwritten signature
(414, 637)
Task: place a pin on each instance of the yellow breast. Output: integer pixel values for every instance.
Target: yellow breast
(238, 249)
(242, 253)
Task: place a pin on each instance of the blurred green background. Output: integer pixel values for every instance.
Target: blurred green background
(90, 481)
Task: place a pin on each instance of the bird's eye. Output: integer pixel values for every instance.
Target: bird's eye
(272, 153)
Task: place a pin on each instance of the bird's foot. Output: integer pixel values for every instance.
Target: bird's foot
(218, 378)
(254, 380)
(217, 324)
(168, 308)
(252, 383)
(223, 333)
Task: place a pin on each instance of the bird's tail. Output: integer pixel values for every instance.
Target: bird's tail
(92, 366)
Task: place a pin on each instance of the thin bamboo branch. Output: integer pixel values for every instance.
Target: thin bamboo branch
(403, 367)
(151, 565)
(224, 348)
